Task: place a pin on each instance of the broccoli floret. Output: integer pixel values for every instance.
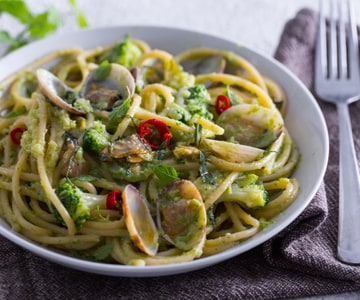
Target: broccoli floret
(83, 105)
(250, 192)
(195, 100)
(124, 53)
(96, 138)
(79, 204)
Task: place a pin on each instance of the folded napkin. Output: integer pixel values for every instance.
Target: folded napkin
(300, 261)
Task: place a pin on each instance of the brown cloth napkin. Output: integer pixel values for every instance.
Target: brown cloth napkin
(300, 261)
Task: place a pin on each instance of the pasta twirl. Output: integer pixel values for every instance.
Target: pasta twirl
(109, 138)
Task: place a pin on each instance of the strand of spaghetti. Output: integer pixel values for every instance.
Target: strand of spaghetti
(105, 232)
(277, 205)
(8, 172)
(149, 97)
(123, 125)
(44, 179)
(104, 225)
(28, 225)
(214, 224)
(277, 94)
(34, 223)
(287, 168)
(131, 256)
(62, 240)
(40, 62)
(233, 59)
(227, 79)
(207, 124)
(238, 226)
(143, 114)
(220, 189)
(154, 54)
(42, 214)
(6, 210)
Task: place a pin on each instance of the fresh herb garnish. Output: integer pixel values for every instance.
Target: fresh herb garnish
(87, 178)
(206, 176)
(81, 20)
(35, 26)
(165, 173)
(119, 112)
(102, 71)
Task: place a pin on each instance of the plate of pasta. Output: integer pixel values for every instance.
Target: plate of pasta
(148, 151)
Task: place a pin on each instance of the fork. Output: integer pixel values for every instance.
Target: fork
(337, 80)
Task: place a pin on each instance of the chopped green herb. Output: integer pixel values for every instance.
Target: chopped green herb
(166, 174)
(264, 224)
(103, 252)
(81, 20)
(206, 176)
(102, 71)
(87, 178)
(120, 111)
(35, 25)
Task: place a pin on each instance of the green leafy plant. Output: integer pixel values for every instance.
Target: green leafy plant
(35, 26)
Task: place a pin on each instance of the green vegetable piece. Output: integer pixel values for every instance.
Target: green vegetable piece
(206, 176)
(165, 173)
(96, 138)
(81, 20)
(79, 204)
(119, 112)
(102, 71)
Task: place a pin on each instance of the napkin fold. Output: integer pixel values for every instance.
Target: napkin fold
(300, 261)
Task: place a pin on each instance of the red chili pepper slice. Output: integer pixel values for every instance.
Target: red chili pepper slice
(114, 200)
(155, 133)
(15, 135)
(222, 103)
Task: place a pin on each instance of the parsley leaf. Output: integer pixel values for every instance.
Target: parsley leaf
(165, 173)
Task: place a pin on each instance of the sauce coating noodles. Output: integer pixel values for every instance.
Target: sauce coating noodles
(190, 149)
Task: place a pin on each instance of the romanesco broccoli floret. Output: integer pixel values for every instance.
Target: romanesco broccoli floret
(96, 138)
(79, 204)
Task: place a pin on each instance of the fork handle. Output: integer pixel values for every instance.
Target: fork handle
(349, 191)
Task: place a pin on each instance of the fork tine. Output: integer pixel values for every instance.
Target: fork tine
(333, 50)
(321, 46)
(343, 62)
(353, 45)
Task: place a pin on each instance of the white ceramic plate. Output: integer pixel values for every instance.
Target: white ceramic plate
(304, 121)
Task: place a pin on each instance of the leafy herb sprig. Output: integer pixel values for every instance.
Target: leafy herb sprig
(35, 26)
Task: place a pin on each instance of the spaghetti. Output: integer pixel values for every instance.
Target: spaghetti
(206, 117)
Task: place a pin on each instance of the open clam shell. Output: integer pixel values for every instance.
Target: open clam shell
(251, 124)
(119, 84)
(56, 91)
(138, 220)
(181, 214)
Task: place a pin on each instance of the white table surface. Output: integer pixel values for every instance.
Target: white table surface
(254, 23)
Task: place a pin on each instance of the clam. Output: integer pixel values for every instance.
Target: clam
(106, 92)
(56, 91)
(251, 124)
(204, 65)
(181, 214)
(131, 148)
(232, 152)
(138, 220)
